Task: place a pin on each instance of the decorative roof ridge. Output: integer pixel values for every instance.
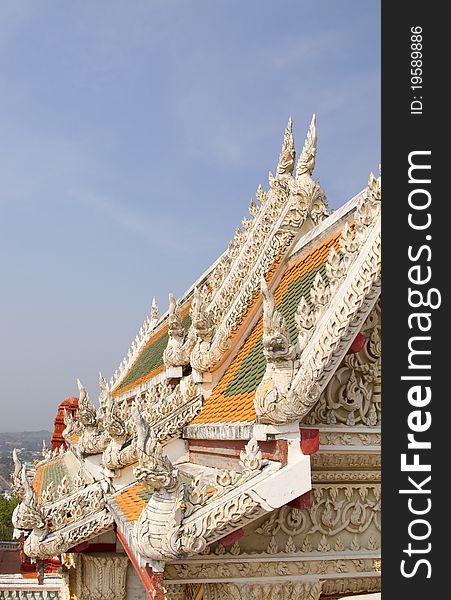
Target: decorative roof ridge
(302, 245)
(53, 498)
(181, 519)
(42, 544)
(323, 229)
(289, 204)
(290, 388)
(166, 407)
(265, 237)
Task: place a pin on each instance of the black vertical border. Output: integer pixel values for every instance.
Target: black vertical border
(403, 133)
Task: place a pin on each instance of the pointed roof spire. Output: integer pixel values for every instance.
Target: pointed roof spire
(306, 162)
(288, 153)
(86, 411)
(154, 312)
(174, 321)
(17, 485)
(104, 391)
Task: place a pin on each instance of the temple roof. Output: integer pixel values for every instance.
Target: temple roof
(243, 355)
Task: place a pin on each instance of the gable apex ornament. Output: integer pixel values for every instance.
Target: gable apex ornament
(87, 414)
(17, 487)
(154, 313)
(307, 159)
(287, 155)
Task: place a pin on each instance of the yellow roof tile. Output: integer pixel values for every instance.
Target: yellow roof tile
(132, 502)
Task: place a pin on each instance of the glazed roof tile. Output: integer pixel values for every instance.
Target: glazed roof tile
(149, 361)
(65, 465)
(52, 471)
(232, 400)
(132, 501)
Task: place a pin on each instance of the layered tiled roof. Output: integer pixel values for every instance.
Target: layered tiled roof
(232, 399)
(149, 361)
(54, 470)
(132, 501)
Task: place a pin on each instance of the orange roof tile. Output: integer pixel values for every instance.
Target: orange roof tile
(231, 401)
(133, 500)
(37, 482)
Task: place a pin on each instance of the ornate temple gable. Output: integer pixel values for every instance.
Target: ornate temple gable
(327, 324)
(67, 510)
(332, 535)
(222, 297)
(353, 395)
(342, 518)
(289, 204)
(63, 519)
(59, 474)
(334, 539)
(192, 506)
(231, 400)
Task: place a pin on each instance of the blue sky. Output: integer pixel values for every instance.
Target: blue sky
(133, 135)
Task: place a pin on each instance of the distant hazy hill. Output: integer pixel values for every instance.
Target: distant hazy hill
(30, 440)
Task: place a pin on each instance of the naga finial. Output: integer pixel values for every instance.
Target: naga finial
(86, 412)
(287, 155)
(306, 162)
(277, 345)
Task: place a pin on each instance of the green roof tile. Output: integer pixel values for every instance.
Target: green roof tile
(250, 374)
(145, 494)
(150, 358)
(55, 472)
